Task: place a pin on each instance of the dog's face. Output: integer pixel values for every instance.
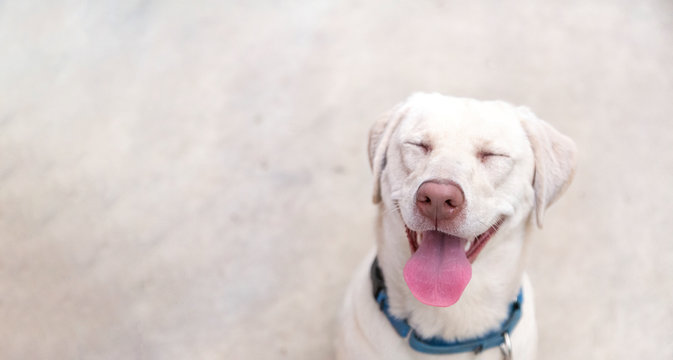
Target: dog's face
(457, 170)
(478, 149)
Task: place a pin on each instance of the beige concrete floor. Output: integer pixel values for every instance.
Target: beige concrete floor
(188, 180)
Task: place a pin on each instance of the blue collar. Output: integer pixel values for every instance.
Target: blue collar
(436, 345)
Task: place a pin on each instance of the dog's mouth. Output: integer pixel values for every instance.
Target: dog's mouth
(440, 266)
(472, 246)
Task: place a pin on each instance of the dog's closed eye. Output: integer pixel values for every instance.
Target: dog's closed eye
(486, 155)
(420, 145)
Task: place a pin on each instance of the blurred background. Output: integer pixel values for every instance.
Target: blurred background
(189, 180)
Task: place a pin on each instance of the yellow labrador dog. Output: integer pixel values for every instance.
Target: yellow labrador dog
(458, 183)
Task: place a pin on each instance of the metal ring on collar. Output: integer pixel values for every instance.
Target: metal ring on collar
(506, 346)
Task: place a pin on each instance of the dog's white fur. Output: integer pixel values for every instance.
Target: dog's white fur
(508, 163)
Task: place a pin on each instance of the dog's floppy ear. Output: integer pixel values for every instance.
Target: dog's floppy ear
(555, 161)
(379, 138)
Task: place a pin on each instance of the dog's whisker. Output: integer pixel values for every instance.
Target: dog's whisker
(393, 209)
(481, 222)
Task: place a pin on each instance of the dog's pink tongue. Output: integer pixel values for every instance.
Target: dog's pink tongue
(438, 272)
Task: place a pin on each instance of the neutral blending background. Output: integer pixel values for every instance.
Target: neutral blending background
(188, 180)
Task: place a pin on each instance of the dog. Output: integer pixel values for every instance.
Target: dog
(459, 184)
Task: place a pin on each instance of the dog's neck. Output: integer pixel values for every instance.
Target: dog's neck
(496, 279)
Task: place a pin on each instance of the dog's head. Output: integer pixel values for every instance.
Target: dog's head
(456, 170)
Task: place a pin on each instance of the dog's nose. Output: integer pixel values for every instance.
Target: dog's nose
(440, 201)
